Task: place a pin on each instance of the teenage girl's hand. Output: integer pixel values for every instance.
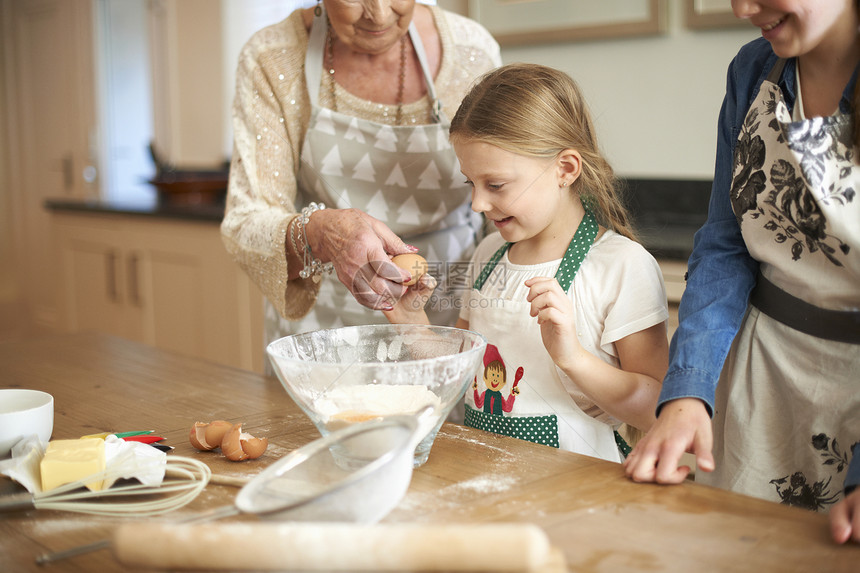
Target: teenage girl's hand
(410, 308)
(683, 426)
(845, 518)
(557, 319)
(360, 247)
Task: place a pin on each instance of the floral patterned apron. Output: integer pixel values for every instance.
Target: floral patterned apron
(788, 403)
(526, 398)
(408, 177)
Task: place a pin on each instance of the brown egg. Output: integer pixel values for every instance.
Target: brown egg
(414, 264)
(238, 445)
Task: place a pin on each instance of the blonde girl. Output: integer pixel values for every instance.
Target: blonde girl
(565, 296)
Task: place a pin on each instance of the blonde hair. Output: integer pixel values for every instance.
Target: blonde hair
(539, 111)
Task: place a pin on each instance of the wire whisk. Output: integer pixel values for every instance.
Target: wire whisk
(187, 479)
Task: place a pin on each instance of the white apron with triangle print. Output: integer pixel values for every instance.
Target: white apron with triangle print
(408, 177)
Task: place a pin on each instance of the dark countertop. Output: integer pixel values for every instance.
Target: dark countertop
(673, 242)
(666, 212)
(210, 212)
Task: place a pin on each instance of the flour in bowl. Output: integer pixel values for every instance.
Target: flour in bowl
(349, 404)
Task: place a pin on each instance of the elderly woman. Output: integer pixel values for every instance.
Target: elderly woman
(341, 154)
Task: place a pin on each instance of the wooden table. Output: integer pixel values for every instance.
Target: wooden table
(599, 519)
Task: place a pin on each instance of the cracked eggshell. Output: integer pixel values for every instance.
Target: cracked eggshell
(254, 447)
(197, 436)
(238, 445)
(215, 431)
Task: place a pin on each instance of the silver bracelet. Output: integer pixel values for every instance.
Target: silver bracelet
(293, 230)
(314, 268)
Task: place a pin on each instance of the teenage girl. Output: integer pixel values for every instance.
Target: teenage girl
(573, 308)
(771, 305)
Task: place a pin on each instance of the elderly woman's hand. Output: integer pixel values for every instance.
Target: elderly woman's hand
(360, 247)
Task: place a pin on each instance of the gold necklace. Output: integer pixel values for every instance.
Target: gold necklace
(330, 64)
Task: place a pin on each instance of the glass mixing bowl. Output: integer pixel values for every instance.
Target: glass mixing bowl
(351, 374)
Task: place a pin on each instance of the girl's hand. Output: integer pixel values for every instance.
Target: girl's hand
(409, 309)
(557, 320)
(845, 518)
(683, 426)
(360, 247)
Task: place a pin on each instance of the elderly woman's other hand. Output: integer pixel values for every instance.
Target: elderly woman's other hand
(360, 247)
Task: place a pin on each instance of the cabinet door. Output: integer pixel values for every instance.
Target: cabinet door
(170, 280)
(50, 117)
(94, 285)
(165, 283)
(195, 298)
(674, 272)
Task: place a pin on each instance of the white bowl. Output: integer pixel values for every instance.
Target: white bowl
(24, 413)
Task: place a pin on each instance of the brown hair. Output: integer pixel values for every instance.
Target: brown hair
(496, 365)
(539, 111)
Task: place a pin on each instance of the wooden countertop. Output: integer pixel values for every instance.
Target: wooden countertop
(599, 519)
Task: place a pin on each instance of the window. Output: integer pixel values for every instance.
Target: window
(124, 89)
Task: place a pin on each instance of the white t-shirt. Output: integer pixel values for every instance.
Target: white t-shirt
(617, 291)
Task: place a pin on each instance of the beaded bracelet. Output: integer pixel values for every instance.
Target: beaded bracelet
(313, 267)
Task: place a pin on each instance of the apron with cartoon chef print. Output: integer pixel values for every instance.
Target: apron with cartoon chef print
(788, 400)
(518, 392)
(408, 177)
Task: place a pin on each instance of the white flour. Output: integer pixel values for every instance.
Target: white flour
(354, 403)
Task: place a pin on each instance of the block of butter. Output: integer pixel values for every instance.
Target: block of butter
(66, 461)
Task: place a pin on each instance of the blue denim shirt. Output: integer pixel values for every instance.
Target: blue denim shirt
(852, 478)
(721, 272)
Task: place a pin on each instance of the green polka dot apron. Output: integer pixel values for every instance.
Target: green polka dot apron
(788, 402)
(407, 176)
(518, 391)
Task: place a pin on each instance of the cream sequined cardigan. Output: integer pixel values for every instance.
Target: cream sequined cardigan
(270, 118)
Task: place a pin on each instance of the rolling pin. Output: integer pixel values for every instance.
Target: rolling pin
(333, 546)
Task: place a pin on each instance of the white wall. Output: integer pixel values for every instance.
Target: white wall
(655, 99)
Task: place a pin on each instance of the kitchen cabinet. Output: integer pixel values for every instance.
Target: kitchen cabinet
(673, 277)
(163, 282)
(48, 117)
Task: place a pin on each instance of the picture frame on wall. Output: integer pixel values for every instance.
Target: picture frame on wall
(705, 14)
(522, 22)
